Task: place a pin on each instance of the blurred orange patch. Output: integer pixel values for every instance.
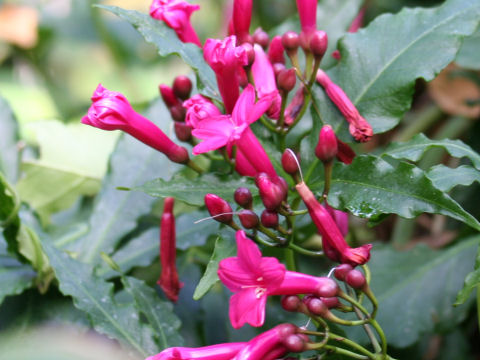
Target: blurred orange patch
(19, 25)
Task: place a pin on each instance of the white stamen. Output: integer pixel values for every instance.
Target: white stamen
(298, 163)
(213, 217)
(331, 271)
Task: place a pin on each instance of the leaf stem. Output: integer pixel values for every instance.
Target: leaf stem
(337, 350)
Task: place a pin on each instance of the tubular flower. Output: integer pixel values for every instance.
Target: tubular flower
(334, 245)
(307, 11)
(276, 50)
(214, 352)
(265, 83)
(242, 14)
(225, 58)
(199, 108)
(359, 127)
(176, 14)
(230, 130)
(168, 280)
(252, 278)
(110, 110)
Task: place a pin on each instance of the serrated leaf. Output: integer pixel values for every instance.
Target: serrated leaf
(8, 141)
(469, 54)
(167, 43)
(414, 149)
(380, 63)
(472, 280)
(370, 187)
(223, 249)
(416, 288)
(193, 191)
(158, 312)
(445, 178)
(95, 297)
(116, 212)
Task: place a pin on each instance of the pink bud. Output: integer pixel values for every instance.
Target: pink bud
(243, 197)
(326, 149)
(248, 219)
(261, 38)
(275, 50)
(294, 343)
(290, 42)
(168, 95)
(269, 219)
(331, 302)
(183, 131)
(342, 270)
(319, 43)
(290, 302)
(250, 54)
(355, 279)
(336, 55)
(178, 112)
(289, 162)
(271, 194)
(286, 80)
(218, 208)
(277, 67)
(182, 86)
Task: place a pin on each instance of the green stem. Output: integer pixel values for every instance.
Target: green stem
(268, 124)
(328, 177)
(343, 340)
(16, 203)
(337, 350)
(267, 232)
(192, 165)
(303, 251)
(354, 302)
(382, 337)
(478, 305)
(290, 260)
(310, 170)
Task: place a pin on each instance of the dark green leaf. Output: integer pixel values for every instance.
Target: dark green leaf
(445, 178)
(95, 296)
(370, 187)
(116, 212)
(469, 54)
(193, 191)
(159, 313)
(8, 142)
(223, 249)
(167, 43)
(414, 149)
(416, 288)
(9, 220)
(380, 63)
(472, 280)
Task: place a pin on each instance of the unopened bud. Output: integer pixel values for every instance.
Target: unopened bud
(248, 219)
(327, 147)
(178, 112)
(319, 43)
(168, 95)
(328, 288)
(269, 219)
(290, 302)
(261, 38)
(218, 208)
(275, 51)
(290, 41)
(250, 53)
(182, 86)
(355, 279)
(331, 302)
(317, 306)
(277, 67)
(342, 270)
(183, 131)
(289, 162)
(272, 194)
(286, 80)
(179, 155)
(243, 197)
(294, 343)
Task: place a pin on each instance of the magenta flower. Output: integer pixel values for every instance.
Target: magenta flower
(230, 130)
(307, 11)
(334, 245)
(276, 50)
(214, 352)
(110, 110)
(242, 14)
(226, 59)
(253, 278)
(359, 127)
(199, 108)
(265, 83)
(176, 14)
(340, 218)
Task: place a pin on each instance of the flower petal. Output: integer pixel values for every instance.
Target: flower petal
(244, 105)
(233, 275)
(247, 307)
(273, 272)
(249, 254)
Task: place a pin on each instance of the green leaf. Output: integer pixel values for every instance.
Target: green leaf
(370, 187)
(469, 54)
(380, 63)
(9, 220)
(472, 280)
(445, 178)
(8, 142)
(193, 191)
(416, 288)
(166, 40)
(95, 297)
(158, 313)
(116, 212)
(414, 149)
(223, 249)
(15, 277)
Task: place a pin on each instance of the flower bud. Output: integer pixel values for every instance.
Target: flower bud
(272, 194)
(336, 55)
(277, 67)
(243, 197)
(183, 131)
(317, 306)
(290, 41)
(319, 43)
(289, 162)
(269, 219)
(275, 51)
(248, 219)
(286, 80)
(327, 288)
(178, 112)
(218, 208)
(327, 147)
(342, 270)
(290, 302)
(294, 343)
(355, 279)
(250, 53)
(261, 38)
(182, 86)
(331, 302)
(168, 95)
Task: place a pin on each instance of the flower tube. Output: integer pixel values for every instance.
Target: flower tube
(214, 352)
(242, 15)
(307, 11)
(110, 110)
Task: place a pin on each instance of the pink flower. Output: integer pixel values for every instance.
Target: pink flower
(214, 352)
(357, 23)
(293, 109)
(111, 110)
(334, 245)
(230, 130)
(199, 108)
(176, 14)
(307, 10)
(242, 14)
(276, 50)
(340, 218)
(225, 58)
(359, 127)
(265, 83)
(253, 278)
